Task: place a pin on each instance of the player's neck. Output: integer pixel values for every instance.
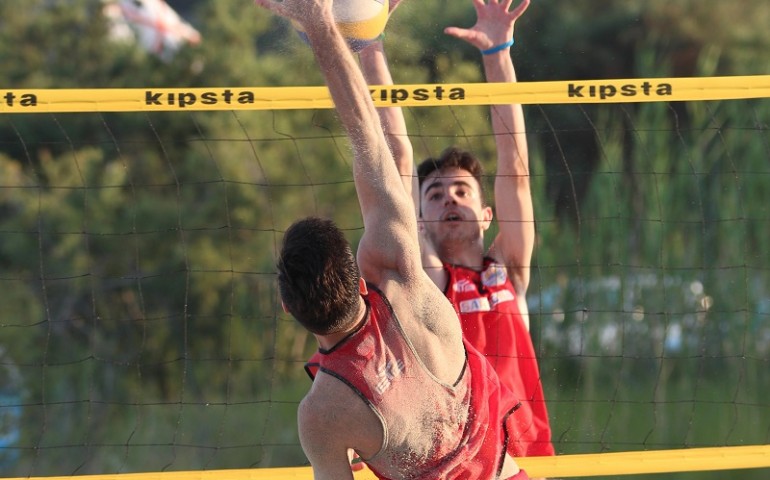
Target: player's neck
(327, 342)
(465, 254)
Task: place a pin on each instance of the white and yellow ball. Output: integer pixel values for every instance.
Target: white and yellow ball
(360, 21)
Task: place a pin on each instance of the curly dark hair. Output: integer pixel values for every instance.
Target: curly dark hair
(318, 275)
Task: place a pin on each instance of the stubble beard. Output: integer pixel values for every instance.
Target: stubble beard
(449, 242)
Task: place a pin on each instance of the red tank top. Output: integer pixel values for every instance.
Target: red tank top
(491, 322)
(432, 430)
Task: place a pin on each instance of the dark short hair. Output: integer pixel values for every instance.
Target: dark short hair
(452, 157)
(318, 275)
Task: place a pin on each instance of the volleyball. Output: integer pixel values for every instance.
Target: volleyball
(360, 21)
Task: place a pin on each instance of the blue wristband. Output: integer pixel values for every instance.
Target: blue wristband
(497, 48)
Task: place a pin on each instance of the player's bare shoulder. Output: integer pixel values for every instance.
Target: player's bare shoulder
(332, 406)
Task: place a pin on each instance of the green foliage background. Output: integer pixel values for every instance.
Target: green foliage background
(140, 326)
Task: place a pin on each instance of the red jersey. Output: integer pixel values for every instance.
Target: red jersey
(432, 430)
(490, 318)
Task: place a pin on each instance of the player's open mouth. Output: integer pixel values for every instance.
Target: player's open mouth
(451, 217)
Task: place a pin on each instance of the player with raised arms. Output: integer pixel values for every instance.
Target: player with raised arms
(397, 383)
(488, 288)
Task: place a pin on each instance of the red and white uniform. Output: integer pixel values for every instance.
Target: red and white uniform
(432, 430)
(491, 322)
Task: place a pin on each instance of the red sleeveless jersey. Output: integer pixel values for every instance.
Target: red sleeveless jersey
(432, 430)
(491, 322)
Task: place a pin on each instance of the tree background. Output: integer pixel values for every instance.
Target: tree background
(140, 327)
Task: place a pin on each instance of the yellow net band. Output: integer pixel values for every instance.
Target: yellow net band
(425, 95)
(646, 462)
(561, 466)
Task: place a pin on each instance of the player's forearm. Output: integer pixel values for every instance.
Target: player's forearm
(374, 65)
(507, 120)
(374, 171)
(345, 82)
(513, 196)
(375, 68)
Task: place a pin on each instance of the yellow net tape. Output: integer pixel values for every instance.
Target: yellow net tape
(426, 95)
(561, 466)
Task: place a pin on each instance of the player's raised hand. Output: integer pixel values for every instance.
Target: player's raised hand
(494, 26)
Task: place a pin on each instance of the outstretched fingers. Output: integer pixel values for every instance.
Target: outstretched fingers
(503, 7)
(497, 7)
(520, 8)
(466, 34)
(494, 23)
(506, 4)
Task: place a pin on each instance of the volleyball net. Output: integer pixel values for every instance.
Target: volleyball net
(142, 335)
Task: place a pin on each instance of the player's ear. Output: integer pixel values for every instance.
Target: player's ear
(362, 287)
(283, 305)
(487, 214)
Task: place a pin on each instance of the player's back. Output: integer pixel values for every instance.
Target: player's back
(430, 428)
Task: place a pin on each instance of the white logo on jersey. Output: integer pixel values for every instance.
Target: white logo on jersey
(497, 298)
(494, 276)
(386, 374)
(480, 304)
(464, 285)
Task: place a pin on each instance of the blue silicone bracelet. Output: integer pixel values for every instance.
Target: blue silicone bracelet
(497, 48)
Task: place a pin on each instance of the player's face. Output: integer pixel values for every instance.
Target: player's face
(451, 205)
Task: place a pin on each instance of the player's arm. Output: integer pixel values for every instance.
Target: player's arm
(374, 65)
(389, 244)
(513, 197)
(514, 244)
(327, 453)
